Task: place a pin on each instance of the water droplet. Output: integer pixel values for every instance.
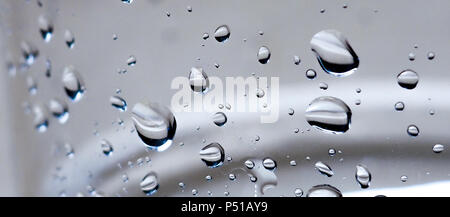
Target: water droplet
(222, 33)
(131, 61)
(45, 28)
(438, 148)
(48, 68)
(334, 53)
(269, 164)
(219, 119)
(70, 152)
(323, 86)
(29, 53)
(357, 102)
(430, 55)
(149, 184)
(212, 155)
(70, 39)
(363, 176)
(189, 8)
(324, 191)
(408, 79)
(32, 85)
(118, 103)
(106, 146)
(181, 184)
(358, 90)
(127, 1)
(249, 164)
(331, 152)
(198, 80)
(59, 109)
(297, 60)
(413, 130)
(73, 84)
(231, 176)
(329, 114)
(260, 93)
(40, 119)
(293, 163)
(411, 56)
(291, 111)
(205, 36)
(311, 73)
(263, 55)
(324, 169)
(298, 192)
(399, 106)
(194, 191)
(155, 125)
(403, 178)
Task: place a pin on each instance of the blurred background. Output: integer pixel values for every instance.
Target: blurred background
(134, 49)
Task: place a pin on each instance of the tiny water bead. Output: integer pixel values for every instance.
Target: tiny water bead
(329, 114)
(298, 192)
(413, 130)
(59, 109)
(408, 79)
(212, 155)
(219, 119)
(403, 178)
(260, 93)
(40, 118)
(29, 53)
(106, 146)
(331, 152)
(411, 56)
(269, 164)
(399, 106)
(363, 176)
(222, 33)
(297, 60)
(155, 125)
(430, 55)
(324, 169)
(311, 74)
(323, 86)
(324, 191)
(32, 85)
(149, 184)
(293, 163)
(231, 176)
(69, 38)
(438, 148)
(118, 102)
(205, 36)
(73, 84)
(45, 28)
(131, 61)
(334, 53)
(263, 55)
(198, 80)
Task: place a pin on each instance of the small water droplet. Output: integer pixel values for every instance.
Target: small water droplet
(212, 155)
(269, 164)
(260, 93)
(69, 38)
(231, 176)
(106, 146)
(263, 55)
(293, 163)
(189, 8)
(219, 119)
(73, 84)
(40, 118)
(430, 55)
(131, 61)
(324, 191)
(155, 125)
(408, 79)
(297, 60)
(45, 28)
(324, 169)
(399, 106)
(411, 56)
(149, 184)
(194, 191)
(298, 192)
(331, 152)
(205, 36)
(311, 74)
(29, 53)
(291, 111)
(118, 102)
(403, 178)
(323, 86)
(59, 109)
(222, 33)
(127, 1)
(198, 80)
(363, 176)
(329, 114)
(438, 148)
(413, 130)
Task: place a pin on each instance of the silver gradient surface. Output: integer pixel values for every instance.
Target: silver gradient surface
(382, 33)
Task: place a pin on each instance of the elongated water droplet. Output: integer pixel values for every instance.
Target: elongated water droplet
(334, 53)
(40, 118)
(73, 84)
(413, 130)
(155, 125)
(408, 79)
(32, 85)
(222, 33)
(324, 169)
(324, 191)
(323, 86)
(363, 176)
(212, 155)
(263, 55)
(329, 114)
(131, 61)
(219, 119)
(149, 184)
(118, 103)
(45, 28)
(249, 164)
(69, 38)
(106, 146)
(269, 164)
(438, 148)
(59, 109)
(198, 80)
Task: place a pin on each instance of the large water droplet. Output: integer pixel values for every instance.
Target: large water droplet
(213, 155)
(408, 79)
(324, 191)
(363, 176)
(149, 184)
(329, 114)
(59, 109)
(219, 119)
(155, 125)
(222, 33)
(263, 55)
(73, 84)
(324, 169)
(198, 80)
(334, 53)
(118, 103)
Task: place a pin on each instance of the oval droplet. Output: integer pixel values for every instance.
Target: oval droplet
(438, 148)
(118, 103)
(363, 176)
(408, 79)
(329, 114)
(324, 191)
(69, 38)
(73, 84)
(198, 80)
(212, 155)
(149, 184)
(311, 74)
(40, 118)
(222, 33)
(219, 119)
(155, 125)
(413, 130)
(263, 55)
(106, 146)
(59, 109)
(334, 53)
(269, 164)
(399, 106)
(324, 169)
